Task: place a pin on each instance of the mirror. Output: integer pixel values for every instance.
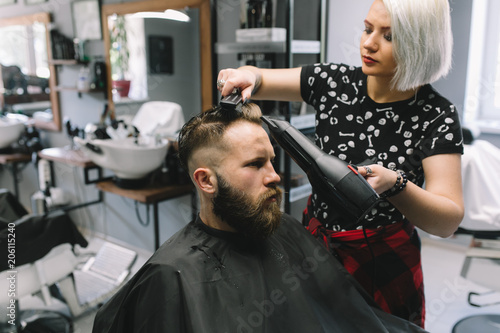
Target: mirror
(29, 78)
(203, 56)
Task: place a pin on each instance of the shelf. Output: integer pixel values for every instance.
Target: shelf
(298, 47)
(285, 47)
(302, 122)
(300, 192)
(67, 62)
(250, 47)
(129, 101)
(31, 107)
(306, 47)
(63, 88)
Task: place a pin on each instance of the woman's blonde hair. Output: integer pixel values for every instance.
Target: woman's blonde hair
(422, 41)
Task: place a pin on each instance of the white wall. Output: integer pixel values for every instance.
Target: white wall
(345, 26)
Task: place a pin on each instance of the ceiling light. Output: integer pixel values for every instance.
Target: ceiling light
(178, 15)
(169, 14)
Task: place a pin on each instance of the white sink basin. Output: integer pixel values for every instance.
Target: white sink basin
(126, 158)
(11, 128)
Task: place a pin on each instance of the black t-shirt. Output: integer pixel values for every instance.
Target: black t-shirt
(398, 135)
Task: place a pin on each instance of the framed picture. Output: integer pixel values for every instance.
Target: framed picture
(7, 2)
(86, 19)
(161, 55)
(34, 2)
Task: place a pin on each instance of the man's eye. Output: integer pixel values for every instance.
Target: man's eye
(255, 164)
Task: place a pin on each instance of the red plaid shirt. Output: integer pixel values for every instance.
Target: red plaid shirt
(386, 263)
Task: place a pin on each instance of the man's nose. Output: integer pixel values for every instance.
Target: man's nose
(272, 177)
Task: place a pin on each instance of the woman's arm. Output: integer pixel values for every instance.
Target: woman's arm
(439, 208)
(262, 84)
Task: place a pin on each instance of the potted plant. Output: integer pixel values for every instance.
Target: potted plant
(119, 57)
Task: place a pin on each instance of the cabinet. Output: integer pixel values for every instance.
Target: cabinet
(305, 25)
(73, 62)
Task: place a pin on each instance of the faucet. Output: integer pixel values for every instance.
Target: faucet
(71, 132)
(136, 135)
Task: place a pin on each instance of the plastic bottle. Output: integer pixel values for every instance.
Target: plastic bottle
(83, 82)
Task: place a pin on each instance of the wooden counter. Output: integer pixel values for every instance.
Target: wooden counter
(152, 195)
(149, 194)
(14, 158)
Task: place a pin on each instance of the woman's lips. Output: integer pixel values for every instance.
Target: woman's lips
(368, 60)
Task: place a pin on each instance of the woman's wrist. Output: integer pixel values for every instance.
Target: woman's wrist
(256, 73)
(399, 185)
(258, 82)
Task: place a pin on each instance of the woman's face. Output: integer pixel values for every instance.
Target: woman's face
(376, 43)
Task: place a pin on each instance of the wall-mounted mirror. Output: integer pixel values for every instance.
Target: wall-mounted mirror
(183, 52)
(29, 79)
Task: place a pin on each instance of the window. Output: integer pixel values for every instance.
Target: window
(33, 61)
(482, 103)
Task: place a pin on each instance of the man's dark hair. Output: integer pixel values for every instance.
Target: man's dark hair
(207, 128)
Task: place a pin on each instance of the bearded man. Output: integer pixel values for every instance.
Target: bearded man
(242, 265)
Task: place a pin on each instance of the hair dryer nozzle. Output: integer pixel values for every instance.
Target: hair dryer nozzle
(329, 175)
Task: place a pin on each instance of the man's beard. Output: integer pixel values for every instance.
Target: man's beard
(256, 220)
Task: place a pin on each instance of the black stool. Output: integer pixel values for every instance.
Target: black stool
(39, 321)
(484, 323)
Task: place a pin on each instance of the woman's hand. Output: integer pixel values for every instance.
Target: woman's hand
(245, 79)
(379, 177)
(281, 84)
(439, 208)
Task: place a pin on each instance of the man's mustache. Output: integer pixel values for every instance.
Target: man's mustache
(274, 192)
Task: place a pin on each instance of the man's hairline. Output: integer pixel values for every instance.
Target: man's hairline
(221, 145)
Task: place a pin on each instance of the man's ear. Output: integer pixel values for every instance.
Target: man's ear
(205, 179)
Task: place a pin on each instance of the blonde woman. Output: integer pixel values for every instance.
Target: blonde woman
(386, 117)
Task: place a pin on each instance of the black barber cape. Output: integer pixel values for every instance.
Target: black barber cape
(205, 280)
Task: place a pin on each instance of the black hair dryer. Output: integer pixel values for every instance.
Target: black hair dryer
(328, 175)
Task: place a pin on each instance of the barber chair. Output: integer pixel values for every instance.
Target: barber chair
(10, 208)
(46, 267)
(482, 220)
(36, 278)
(37, 252)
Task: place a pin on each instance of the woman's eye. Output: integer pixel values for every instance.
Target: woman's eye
(368, 30)
(388, 37)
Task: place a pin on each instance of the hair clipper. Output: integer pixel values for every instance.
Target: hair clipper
(231, 102)
(329, 175)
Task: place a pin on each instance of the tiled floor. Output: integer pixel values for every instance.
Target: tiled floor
(84, 323)
(446, 291)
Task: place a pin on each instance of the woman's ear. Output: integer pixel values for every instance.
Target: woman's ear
(205, 180)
